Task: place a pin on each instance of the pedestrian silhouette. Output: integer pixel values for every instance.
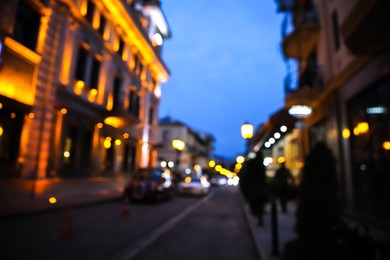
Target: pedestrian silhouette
(282, 185)
(253, 185)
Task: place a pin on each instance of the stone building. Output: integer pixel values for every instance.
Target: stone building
(80, 84)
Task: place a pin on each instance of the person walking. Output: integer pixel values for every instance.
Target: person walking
(253, 185)
(283, 184)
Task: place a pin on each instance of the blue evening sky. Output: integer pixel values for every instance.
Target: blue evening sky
(226, 67)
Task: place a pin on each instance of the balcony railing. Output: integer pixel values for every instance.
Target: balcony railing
(304, 88)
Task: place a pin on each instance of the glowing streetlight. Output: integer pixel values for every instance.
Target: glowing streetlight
(179, 146)
(247, 131)
(240, 159)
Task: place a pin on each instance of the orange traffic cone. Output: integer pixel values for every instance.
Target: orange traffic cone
(126, 208)
(67, 230)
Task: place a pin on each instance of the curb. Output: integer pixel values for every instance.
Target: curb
(252, 227)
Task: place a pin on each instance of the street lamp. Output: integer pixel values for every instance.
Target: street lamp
(179, 146)
(247, 133)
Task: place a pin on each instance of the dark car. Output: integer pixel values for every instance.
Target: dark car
(149, 184)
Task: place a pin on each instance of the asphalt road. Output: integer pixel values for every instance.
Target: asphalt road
(212, 227)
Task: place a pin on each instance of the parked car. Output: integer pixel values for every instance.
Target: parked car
(197, 186)
(219, 180)
(149, 184)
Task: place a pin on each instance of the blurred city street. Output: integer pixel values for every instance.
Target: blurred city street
(210, 227)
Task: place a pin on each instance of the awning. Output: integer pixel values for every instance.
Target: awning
(279, 124)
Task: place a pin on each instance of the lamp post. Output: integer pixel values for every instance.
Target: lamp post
(179, 146)
(247, 133)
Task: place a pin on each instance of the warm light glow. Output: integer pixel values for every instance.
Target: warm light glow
(126, 135)
(300, 111)
(386, 145)
(99, 125)
(157, 91)
(78, 87)
(131, 29)
(361, 128)
(346, 133)
(197, 167)
(247, 131)
(178, 144)
(240, 159)
(187, 179)
(1, 105)
(283, 128)
(218, 168)
(281, 159)
(238, 166)
(299, 165)
(114, 121)
(64, 111)
(110, 102)
(107, 142)
(211, 164)
(118, 142)
(18, 78)
(13, 115)
(92, 95)
(52, 200)
(1, 131)
(83, 8)
(31, 115)
(66, 154)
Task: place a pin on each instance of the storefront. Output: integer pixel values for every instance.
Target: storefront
(368, 134)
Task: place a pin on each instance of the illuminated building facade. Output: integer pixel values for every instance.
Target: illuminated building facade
(337, 55)
(80, 84)
(196, 153)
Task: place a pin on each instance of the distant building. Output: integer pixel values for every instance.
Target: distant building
(80, 84)
(197, 151)
(338, 87)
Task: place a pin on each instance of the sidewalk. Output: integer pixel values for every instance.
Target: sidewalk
(22, 196)
(263, 235)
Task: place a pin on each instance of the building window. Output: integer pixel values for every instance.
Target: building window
(81, 64)
(90, 11)
(93, 84)
(121, 47)
(369, 124)
(26, 28)
(87, 68)
(336, 33)
(134, 103)
(102, 25)
(116, 92)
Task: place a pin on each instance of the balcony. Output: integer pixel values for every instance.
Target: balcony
(300, 43)
(307, 89)
(365, 29)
